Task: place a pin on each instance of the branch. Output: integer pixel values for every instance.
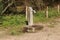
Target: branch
(7, 7)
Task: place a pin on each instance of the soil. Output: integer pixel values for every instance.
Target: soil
(47, 33)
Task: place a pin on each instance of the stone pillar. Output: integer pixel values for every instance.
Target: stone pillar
(29, 15)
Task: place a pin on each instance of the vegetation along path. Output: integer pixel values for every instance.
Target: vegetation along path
(48, 33)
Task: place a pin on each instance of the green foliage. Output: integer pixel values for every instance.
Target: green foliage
(13, 20)
(15, 23)
(53, 13)
(40, 16)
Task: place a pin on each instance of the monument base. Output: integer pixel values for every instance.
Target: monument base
(32, 28)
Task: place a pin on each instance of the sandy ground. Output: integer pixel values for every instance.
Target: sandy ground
(46, 34)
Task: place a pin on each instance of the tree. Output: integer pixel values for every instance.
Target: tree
(8, 5)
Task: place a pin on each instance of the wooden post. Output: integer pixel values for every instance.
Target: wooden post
(58, 8)
(47, 12)
(26, 12)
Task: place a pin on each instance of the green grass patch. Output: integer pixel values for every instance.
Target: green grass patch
(40, 16)
(15, 23)
(12, 20)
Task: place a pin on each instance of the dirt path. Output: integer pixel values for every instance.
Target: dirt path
(46, 34)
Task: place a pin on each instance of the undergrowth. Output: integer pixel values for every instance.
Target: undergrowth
(15, 23)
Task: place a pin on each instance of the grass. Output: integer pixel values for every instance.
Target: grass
(12, 20)
(16, 30)
(15, 23)
(41, 17)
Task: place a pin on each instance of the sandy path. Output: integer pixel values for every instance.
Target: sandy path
(45, 34)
